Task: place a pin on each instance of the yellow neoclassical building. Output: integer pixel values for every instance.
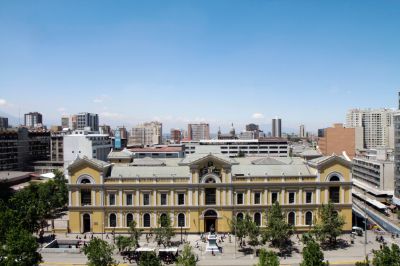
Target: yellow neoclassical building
(202, 190)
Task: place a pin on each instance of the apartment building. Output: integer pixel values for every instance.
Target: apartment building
(198, 132)
(146, 134)
(87, 120)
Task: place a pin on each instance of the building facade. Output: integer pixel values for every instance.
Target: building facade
(377, 126)
(203, 190)
(33, 119)
(396, 122)
(198, 132)
(19, 148)
(241, 147)
(339, 139)
(84, 143)
(302, 131)
(87, 120)
(176, 135)
(3, 122)
(276, 127)
(146, 134)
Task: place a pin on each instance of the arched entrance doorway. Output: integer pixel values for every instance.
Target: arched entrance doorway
(210, 221)
(86, 223)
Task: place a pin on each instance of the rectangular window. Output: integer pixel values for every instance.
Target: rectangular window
(210, 196)
(308, 197)
(163, 199)
(239, 198)
(274, 197)
(146, 199)
(292, 196)
(181, 199)
(112, 199)
(86, 197)
(257, 198)
(129, 199)
(334, 194)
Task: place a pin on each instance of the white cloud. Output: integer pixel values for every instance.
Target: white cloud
(257, 116)
(3, 102)
(101, 98)
(61, 109)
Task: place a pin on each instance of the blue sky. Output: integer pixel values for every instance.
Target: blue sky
(307, 62)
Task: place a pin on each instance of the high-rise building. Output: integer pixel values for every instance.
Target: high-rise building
(276, 127)
(19, 148)
(3, 122)
(338, 139)
(176, 135)
(65, 121)
(396, 122)
(377, 125)
(88, 120)
(146, 134)
(302, 133)
(199, 131)
(252, 127)
(33, 119)
(252, 132)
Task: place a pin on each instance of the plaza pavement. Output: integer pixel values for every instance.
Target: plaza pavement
(347, 255)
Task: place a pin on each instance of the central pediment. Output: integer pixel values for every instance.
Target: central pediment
(201, 158)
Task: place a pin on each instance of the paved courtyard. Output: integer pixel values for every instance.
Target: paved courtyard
(348, 255)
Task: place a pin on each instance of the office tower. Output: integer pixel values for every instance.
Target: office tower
(377, 125)
(85, 120)
(146, 134)
(3, 122)
(338, 139)
(199, 131)
(33, 119)
(176, 135)
(65, 122)
(276, 127)
(302, 133)
(396, 122)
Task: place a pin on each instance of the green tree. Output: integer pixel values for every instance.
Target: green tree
(312, 255)
(99, 253)
(278, 231)
(253, 231)
(164, 232)
(149, 259)
(267, 258)
(135, 234)
(122, 242)
(20, 248)
(238, 228)
(186, 258)
(329, 225)
(387, 256)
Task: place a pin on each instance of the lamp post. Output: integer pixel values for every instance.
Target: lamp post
(365, 225)
(181, 234)
(233, 204)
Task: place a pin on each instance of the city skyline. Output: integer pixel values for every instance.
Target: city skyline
(181, 63)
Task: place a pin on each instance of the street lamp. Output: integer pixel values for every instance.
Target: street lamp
(365, 225)
(233, 204)
(181, 234)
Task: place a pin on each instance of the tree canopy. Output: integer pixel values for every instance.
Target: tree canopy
(278, 231)
(149, 259)
(186, 258)
(329, 225)
(99, 253)
(267, 258)
(387, 256)
(312, 255)
(164, 232)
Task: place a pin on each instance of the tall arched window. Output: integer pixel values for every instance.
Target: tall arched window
(129, 219)
(113, 220)
(163, 220)
(257, 218)
(308, 218)
(239, 216)
(181, 220)
(146, 220)
(291, 218)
